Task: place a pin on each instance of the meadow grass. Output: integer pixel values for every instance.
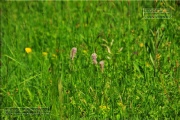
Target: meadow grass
(140, 78)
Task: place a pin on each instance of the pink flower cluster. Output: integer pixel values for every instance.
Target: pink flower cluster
(73, 52)
(94, 58)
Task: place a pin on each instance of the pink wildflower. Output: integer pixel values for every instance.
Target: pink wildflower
(73, 52)
(102, 65)
(94, 57)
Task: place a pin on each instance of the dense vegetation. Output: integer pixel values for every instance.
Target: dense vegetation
(141, 74)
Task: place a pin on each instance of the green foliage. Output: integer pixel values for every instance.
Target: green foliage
(141, 71)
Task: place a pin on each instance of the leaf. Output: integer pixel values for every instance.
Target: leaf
(29, 94)
(136, 67)
(152, 61)
(148, 48)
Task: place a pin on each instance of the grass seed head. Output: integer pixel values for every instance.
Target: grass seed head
(108, 48)
(120, 49)
(73, 52)
(112, 42)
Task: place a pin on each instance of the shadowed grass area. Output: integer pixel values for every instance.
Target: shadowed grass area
(42, 76)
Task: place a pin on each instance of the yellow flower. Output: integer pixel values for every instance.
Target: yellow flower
(54, 55)
(158, 56)
(28, 50)
(141, 44)
(44, 53)
(164, 11)
(103, 107)
(85, 51)
(168, 44)
(147, 64)
(120, 104)
(177, 63)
